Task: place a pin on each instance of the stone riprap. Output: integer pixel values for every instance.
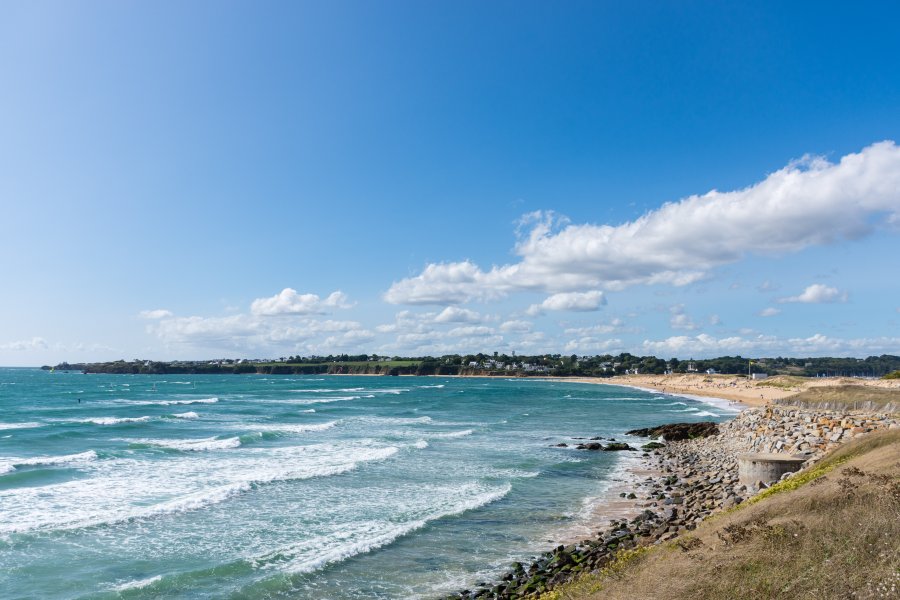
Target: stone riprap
(696, 478)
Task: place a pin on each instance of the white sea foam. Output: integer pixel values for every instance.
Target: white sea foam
(111, 420)
(316, 400)
(9, 464)
(330, 391)
(123, 489)
(137, 584)
(704, 413)
(452, 434)
(28, 425)
(421, 444)
(395, 420)
(192, 445)
(362, 536)
(197, 401)
(289, 427)
(308, 410)
(186, 415)
(431, 386)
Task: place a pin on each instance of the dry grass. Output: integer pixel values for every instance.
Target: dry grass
(837, 536)
(847, 397)
(784, 382)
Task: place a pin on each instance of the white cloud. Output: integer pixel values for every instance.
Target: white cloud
(767, 286)
(769, 312)
(715, 320)
(289, 302)
(817, 293)
(247, 331)
(35, 343)
(453, 314)
(614, 325)
(515, 326)
(569, 301)
(679, 320)
(159, 313)
(809, 202)
(816, 345)
(470, 331)
(592, 344)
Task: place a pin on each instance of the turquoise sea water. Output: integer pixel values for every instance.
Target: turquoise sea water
(236, 486)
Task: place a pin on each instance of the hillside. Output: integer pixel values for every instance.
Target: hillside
(831, 532)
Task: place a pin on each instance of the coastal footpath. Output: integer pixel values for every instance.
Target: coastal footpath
(696, 478)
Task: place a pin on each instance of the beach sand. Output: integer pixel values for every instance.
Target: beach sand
(732, 387)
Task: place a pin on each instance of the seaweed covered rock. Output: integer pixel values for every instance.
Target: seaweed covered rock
(674, 432)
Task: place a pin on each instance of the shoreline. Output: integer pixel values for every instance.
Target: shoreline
(687, 482)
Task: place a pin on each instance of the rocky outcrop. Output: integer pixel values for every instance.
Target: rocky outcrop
(675, 432)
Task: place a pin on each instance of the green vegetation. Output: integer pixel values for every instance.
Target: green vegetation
(555, 365)
(892, 375)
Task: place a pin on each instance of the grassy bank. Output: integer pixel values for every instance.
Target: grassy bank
(831, 533)
(847, 397)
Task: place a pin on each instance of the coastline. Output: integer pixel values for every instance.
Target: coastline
(687, 482)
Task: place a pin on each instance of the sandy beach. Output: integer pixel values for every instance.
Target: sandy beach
(733, 387)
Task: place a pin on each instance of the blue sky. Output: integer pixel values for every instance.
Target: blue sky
(220, 179)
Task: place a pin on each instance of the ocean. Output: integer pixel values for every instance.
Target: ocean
(249, 486)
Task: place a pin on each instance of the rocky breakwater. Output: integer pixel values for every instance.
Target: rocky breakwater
(697, 468)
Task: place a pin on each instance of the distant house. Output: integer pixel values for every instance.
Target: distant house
(691, 368)
(759, 376)
(711, 371)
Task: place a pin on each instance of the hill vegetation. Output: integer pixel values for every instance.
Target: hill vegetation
(556, 365)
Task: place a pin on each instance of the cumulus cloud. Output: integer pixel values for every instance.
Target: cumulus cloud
(289, 302)
(817, 293)
(818, 344)
(454, 314)
(807, 203)
(569, 301)
(593, 344)
(614, 325)
(515, 326)
(679, 320)
(248, 331)
(35, 343)
(769, 312)
(159, 313)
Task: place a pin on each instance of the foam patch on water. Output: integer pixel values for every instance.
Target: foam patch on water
(186, 415)
(192, 445)
(453, 434)
(303, 401)
(28, 425)
(396, 420)
(360, 537)
(9, 464)
(173, 402)
(439, 386)
(111, 420)
(124, 489)
(421, 444)
(290, 427)
(704, 413)
(137, 584)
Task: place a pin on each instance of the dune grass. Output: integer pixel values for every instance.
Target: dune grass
(847, 397)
